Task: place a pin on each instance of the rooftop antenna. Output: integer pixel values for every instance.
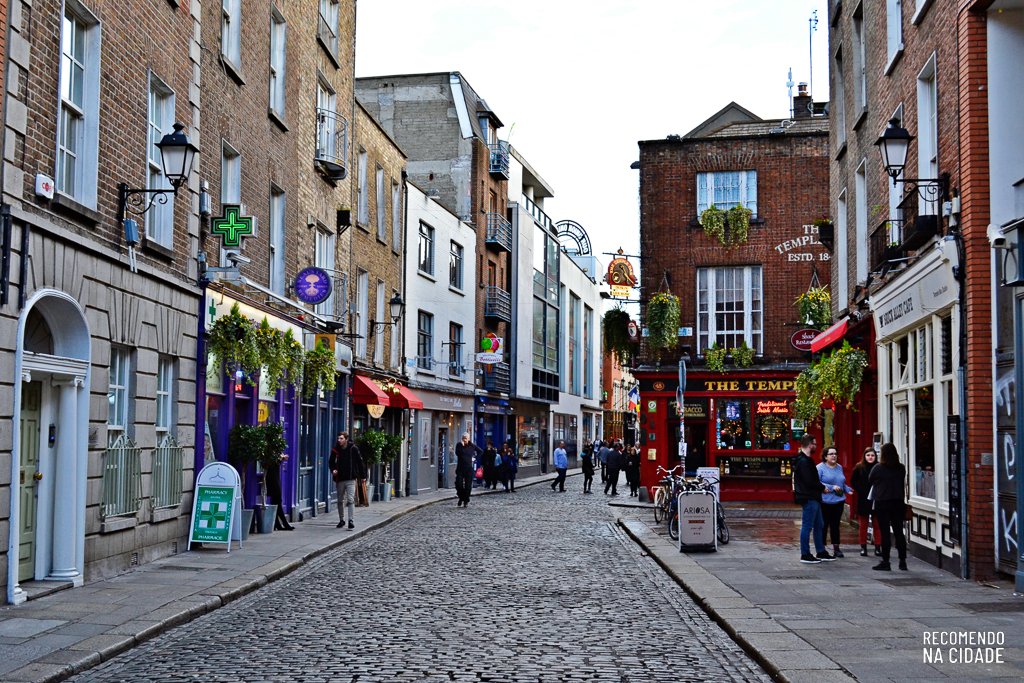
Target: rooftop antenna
(789, 88)
(812, 24)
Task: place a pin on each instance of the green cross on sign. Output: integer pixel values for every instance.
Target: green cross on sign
(216, 513)
(232, 226)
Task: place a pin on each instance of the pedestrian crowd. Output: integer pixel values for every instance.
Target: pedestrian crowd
(878, 483)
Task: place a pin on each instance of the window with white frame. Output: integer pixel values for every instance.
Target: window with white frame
(118, 393)
(164, 397)
(927, 134)
(839, 97)
(326, 139)
(426, 249)
(455, 350)
(78, 117)
(860, 60)
(160, 217)
(327, 28)
(396, 216)
(842, 287)
(277, 219)
(378, 332)
(231, 32)
(726, 189)
(324, 258)
(382, 230)
(455, 265)
(894, 29)
(860, 218)
(730, 308)
(363, 217)
(424, 341)
(278, 55)
(362, 311)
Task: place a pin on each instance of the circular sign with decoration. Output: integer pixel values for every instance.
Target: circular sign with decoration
(801, 339)
(313, 285)
(633, 330)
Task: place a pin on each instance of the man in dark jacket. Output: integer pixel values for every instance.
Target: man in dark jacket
(807, 490)
(465, 451)
(614, 461)
(346, 466)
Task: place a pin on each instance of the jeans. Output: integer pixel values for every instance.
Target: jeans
(559, 479)
(346, 497)
(812, 520)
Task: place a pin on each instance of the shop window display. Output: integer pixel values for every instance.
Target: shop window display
(924, 443)
(734, 424)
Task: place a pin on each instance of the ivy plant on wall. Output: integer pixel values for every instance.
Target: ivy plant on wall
(616, 334)
(837, 376)
(730, 227)
(663, 321)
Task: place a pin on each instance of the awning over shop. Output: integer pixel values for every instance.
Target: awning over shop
(830, 336)
(365, 390)
(405, 398)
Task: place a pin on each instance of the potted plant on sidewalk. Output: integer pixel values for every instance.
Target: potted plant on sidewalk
(246, 443)
(270, 459)
(371, 446)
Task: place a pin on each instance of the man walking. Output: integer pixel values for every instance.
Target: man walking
(464, 454)
(602, 454)
(346, 466)
(561, 466)
(614, 461)
(807, 490)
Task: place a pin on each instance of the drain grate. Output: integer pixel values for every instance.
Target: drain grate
(898, 583)
(743, 513)
(178, 568)
(985, 607)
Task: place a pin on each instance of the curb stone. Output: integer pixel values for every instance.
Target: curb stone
(695, 580)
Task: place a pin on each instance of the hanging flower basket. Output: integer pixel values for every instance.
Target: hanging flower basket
(742, 356)
(730, 227)
(816, 307)
(662, 321)
(319, 369)
(836, 377)
(616, 334)
(273, 354)
(714, 358)
(232, 342)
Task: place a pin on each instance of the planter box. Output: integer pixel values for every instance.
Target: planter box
(265, 516)
(247, 514)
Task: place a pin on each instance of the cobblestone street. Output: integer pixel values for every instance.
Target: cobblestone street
(534, 586)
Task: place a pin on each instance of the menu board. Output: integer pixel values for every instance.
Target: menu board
(754, 466)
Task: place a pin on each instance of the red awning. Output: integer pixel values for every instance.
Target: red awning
(365, 390)
(830, 336)
(405, 398)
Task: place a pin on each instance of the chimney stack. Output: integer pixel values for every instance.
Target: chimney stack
(802, 102)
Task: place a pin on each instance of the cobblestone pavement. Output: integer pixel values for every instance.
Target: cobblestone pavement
(535, 586)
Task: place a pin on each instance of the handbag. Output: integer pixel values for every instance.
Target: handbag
(480, 472)
(908, 513)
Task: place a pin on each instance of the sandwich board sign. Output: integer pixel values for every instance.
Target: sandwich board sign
(216, 510)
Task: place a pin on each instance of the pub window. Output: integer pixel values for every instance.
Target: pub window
(771, 424)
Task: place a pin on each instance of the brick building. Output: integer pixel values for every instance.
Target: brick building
(912, 265)
(737, 420)
(451, 138)
(101, 342)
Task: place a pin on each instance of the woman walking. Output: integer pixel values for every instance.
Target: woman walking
(888, 480)
(859, 482)
(588, 468)
(633, 471)
(510, 465)
(833, 500)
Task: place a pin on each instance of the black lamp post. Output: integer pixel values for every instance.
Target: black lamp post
(177, 155)
(893, 145)
(396, 306)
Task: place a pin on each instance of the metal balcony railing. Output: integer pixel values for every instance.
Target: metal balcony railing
(884, 244)
(499, 159)
(167, 463)
(498, 304)
(499, 231)
(331, 143)
(498, 377)
(122, 478)
(917, 228)
(539, 215)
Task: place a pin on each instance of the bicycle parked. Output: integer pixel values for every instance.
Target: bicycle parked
(663, 494)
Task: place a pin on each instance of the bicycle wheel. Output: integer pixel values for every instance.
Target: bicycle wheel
(660, 505)
(673, 527)
(723, 528)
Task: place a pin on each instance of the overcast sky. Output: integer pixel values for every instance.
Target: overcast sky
(577, 83)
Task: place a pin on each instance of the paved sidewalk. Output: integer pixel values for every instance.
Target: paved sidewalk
(838, 621)
(56, 636)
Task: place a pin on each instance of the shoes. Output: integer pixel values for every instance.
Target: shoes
(341, 524)
(459, 504)
(825, 557)
(838, 553)
(809, 559)
(883, 566)
(351, 525)
(863, 551)
(903, 565)
(284, 528)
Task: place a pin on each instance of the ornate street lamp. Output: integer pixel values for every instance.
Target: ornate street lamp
(177, 155)
(396, 306)
(893, 145)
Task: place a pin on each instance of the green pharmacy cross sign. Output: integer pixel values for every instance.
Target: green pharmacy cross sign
(232, 226)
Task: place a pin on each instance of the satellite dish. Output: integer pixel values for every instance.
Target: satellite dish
(573, 237)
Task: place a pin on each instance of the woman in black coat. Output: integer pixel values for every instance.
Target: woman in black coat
(633, 471)
(888, 480)
(859, 482)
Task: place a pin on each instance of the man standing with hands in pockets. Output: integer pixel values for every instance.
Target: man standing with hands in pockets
(346, 467)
